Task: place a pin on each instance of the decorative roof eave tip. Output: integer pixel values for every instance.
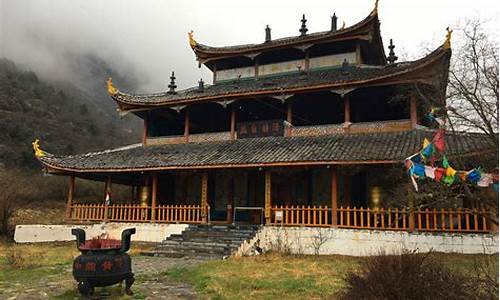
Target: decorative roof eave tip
(375, 9)
(111, 88)
(447, 42)
(192, 41)
(37, 150)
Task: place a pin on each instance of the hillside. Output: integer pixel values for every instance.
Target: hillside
(66, 118)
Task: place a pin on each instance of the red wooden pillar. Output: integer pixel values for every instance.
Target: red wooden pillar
(71, 193)
(204, 197)
(145, 133)
(289, 118)
(347, 112)
(154, 192)
(186, 125)
(413, 110)
(233, 123)
(107, 192)
(230, 200)
(334, 195)
(267, 197)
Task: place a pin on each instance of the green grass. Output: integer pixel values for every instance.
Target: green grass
(271, 276)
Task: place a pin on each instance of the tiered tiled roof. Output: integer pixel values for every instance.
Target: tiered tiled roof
(432, 69)
(367, 29)
(391, 147)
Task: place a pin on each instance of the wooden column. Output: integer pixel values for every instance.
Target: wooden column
(145, 133)
(233, 122)
(413, 110)
(154, 193)
(230, 200)
(289, 118)
(107, 191)
(347, 109)
(204, 197)
(267, 197)
(214, 78)
(186, 125)
(306, 60)
(411, 205)
(71, 193)
(334, 195)
(359, 59)
(256, 67)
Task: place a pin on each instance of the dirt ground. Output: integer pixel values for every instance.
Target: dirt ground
(56, 282)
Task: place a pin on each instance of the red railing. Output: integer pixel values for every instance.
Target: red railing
(301, 215)
(137, 213)
(366, 218)
(428, 220)
(87, 212)
(129, 213)
(179, 213)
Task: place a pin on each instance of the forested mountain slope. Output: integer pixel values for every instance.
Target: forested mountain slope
(67, 119)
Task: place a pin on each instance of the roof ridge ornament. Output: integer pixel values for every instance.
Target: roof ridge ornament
(111, 88)
(392, 56)
(375, 8)
(303, 28)
(36, 148)
(172, 85)
(192, 41)
(447, 42)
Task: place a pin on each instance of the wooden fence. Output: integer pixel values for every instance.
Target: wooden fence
(137, 213)
(428, 220)
(179, 213)
(301, 215)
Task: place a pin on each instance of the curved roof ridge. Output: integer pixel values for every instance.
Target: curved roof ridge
(288, 41)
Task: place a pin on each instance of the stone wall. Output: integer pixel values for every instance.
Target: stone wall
(146, 232)
(312, 240)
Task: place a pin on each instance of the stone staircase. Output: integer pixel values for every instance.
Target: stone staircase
(205, 241)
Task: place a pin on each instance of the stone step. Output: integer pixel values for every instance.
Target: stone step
(215, 241)
(221, 240)
(185, 249)
(200, 244)
(160, 253)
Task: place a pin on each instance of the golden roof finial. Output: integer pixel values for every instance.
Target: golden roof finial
(192, 42)
(375, 9)
(36, 148)
(343, 25)
(111, 88)
(447, 42)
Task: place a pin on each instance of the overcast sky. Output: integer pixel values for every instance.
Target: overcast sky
(149, 37)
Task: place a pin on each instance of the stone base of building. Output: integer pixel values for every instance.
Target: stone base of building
(145, 232)
(324, 241)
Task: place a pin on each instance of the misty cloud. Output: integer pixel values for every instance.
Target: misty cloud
(145, 40)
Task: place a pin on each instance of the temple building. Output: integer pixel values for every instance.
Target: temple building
(295, 131)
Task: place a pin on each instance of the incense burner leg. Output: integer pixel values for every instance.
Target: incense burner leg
(128, 284)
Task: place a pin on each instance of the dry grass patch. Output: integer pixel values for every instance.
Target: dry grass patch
(269, 276)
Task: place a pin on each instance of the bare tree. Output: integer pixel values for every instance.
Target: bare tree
(473, 81)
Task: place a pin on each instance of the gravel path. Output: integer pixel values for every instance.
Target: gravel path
(149, 284)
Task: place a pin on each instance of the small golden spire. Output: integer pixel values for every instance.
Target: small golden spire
(111, 88)
(36, 148)
(192, 42)
(343, 25)
(375, 9)
(447, 42)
